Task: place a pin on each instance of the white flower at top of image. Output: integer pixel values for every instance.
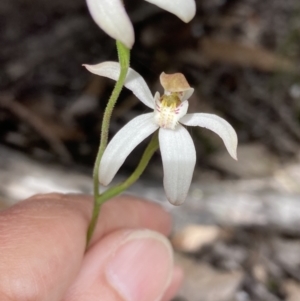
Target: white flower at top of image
(169, 116)
(110, 15)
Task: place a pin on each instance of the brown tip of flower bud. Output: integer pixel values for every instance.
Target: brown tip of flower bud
(174, 82)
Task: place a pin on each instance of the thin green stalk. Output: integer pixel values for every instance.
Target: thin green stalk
(124, 60)
(94, 219)
(115, 190)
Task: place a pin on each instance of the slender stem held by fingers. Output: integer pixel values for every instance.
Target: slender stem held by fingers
(124, 59)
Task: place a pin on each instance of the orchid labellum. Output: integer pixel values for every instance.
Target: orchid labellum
(169, 116)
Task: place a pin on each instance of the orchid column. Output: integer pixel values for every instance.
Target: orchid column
(110, 15)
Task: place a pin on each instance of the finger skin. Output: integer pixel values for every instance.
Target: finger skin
(175, 284)
(42, 240)
(144, 268)
(134, 213)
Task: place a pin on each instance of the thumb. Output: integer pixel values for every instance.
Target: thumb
(127, 265)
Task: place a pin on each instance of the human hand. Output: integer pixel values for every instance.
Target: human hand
(43, 258)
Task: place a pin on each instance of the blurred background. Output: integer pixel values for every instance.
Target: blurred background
(238, 234)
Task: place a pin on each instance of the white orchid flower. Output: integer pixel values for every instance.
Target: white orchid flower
(170, 113)
(110, 15)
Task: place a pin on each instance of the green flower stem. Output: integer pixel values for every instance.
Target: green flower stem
(117, 189)
(124, 59)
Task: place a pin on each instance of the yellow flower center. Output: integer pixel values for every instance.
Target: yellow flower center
(170, 101)
(167, 110)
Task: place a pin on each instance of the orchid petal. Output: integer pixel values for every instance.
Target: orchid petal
(122, 144)
(156, 97)
(179, 159)
(216, 124)
(187, 94)
(182, 109)
(183, 9)
(110, 15)
(133, 82)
